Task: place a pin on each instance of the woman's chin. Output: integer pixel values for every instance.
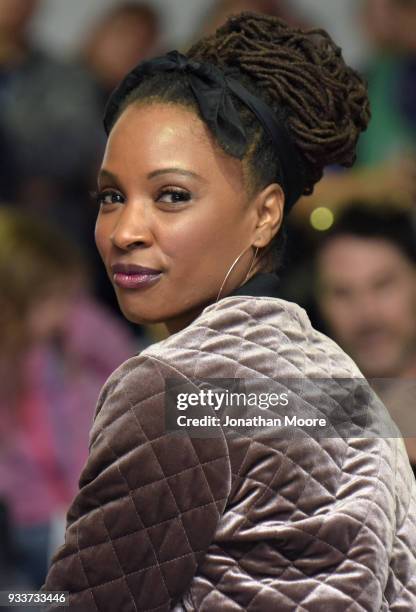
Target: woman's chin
(152, 311)
(141, 316)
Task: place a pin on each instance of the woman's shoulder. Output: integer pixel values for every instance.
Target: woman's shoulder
(239, 337)
(257, 333)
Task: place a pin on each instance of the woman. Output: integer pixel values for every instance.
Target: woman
(206, 154)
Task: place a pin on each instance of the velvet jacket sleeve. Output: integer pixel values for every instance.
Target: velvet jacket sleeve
(149, 501)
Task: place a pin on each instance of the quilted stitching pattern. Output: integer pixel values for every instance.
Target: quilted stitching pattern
(134, 535)
(237, 523)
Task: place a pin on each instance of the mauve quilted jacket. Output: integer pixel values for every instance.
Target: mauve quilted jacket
(236, 522)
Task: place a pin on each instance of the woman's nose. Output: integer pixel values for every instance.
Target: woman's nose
(131, 228)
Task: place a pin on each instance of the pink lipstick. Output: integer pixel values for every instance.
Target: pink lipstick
(131, 276)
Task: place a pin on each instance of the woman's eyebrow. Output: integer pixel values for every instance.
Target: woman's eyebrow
(175, 171)
(103, 173)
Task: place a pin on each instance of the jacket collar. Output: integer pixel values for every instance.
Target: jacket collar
(262, 284)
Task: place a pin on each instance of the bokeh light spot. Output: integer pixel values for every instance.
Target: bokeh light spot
(321, 218)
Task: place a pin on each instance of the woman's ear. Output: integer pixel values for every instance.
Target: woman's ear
(269, 205)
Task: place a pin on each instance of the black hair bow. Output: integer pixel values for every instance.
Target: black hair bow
(208, 85)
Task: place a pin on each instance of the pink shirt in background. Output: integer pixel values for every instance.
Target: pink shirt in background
(41, 459)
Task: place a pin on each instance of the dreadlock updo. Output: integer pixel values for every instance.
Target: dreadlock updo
(301, 75)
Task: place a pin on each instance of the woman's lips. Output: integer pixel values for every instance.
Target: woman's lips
(135, 280)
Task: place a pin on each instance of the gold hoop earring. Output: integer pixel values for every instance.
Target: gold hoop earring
(251, 265)
(233, 265)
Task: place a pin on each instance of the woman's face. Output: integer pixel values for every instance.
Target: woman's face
(172, 201)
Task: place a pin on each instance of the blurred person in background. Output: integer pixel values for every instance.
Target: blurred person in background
(50, 137)
(126, 34)
(221, 10)
(14, 18)
(48, 109)
(366, 292)
(386, 155)
(58, 347)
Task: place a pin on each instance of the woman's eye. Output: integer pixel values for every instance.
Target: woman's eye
(172, 196)
(107, 197)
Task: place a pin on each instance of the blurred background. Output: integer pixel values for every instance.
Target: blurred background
(351, 259)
